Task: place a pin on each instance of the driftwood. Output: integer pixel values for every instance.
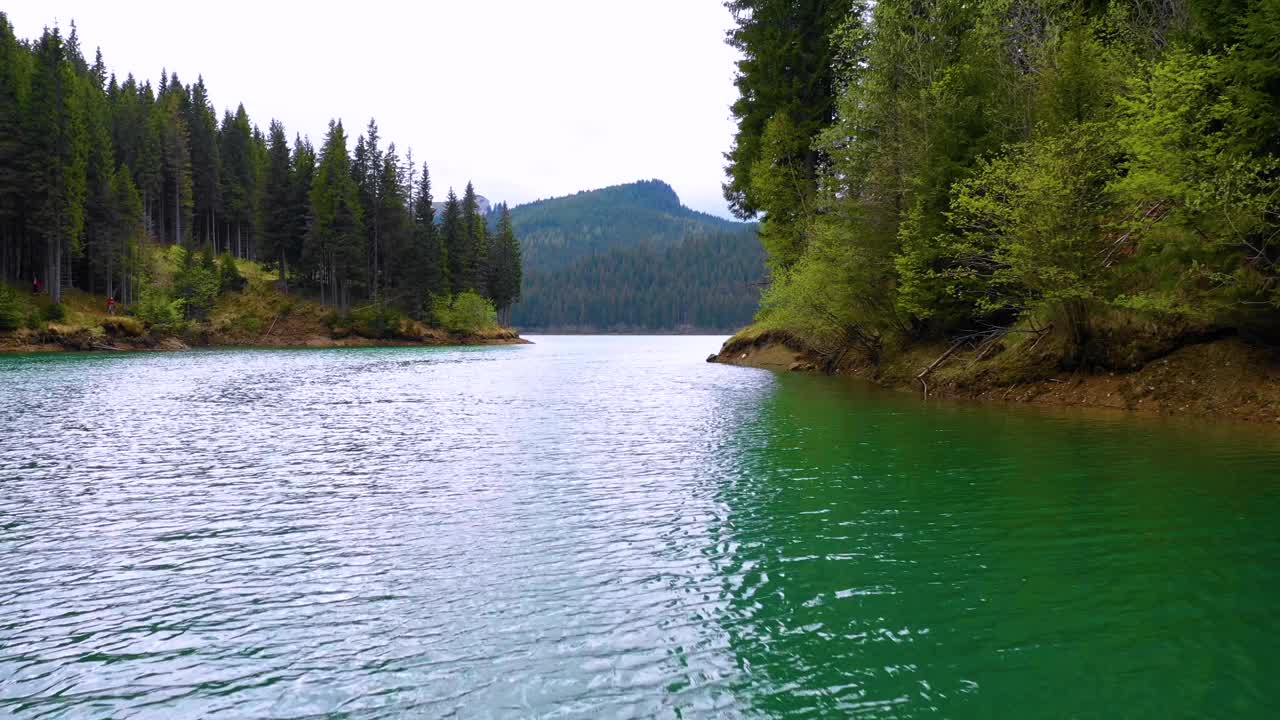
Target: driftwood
(100, 346)
(273, 326)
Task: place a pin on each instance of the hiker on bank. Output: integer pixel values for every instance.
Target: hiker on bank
(111, 306)
(35, 286)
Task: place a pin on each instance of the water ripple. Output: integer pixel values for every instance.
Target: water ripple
(594, 528)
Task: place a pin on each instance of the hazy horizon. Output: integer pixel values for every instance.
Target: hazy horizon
(564, 96)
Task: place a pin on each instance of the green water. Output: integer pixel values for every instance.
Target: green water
(609, 527)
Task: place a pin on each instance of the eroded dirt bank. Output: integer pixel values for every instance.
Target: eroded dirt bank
(1224, 378)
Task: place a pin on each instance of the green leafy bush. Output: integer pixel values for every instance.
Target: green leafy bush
(55, 313)
(464, 313)
(157, 309)
(230, 279)
(197, 284)
(12, 312)
(377, 322)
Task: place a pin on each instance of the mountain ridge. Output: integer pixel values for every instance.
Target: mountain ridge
(633, 258)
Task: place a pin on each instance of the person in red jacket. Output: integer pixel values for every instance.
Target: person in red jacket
(111, 306)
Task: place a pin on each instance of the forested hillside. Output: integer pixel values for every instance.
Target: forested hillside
(1105, 173)
(94, 167)
(706, 283)
(557, 232)
(631, 258)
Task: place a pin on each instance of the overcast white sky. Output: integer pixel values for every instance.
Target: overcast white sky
(527, 98)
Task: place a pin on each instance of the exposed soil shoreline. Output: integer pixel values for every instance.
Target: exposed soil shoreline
(79, 339)
(1220, 378)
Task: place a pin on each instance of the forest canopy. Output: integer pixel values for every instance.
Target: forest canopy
(94, 169)
(937, 168)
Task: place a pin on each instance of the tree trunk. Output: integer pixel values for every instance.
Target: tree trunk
(56, 287)
(177, 212)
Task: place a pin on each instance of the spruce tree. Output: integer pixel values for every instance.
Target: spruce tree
(505, 266)
(335, 241)
(235, 140)
(429, 273)
(15, 82)
(475, 229)
(393, 226)
(277, 222)
(457, 245)
(57, 157)
(202, 126)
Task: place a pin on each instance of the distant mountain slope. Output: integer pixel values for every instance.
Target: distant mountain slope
(631, 258)
(557, 232)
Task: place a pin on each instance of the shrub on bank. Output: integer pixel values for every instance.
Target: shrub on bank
(120, 326)
(156, 309)
(13, 312)
(376, 322)
(466, 313)
(229, 275)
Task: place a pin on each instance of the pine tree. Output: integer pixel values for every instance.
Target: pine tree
(505, 266)
(335, 241)
(15, 83)
(304, 170)
(475, 229)
(202, 125)
(235, 140)
(99, 255)
(393, 227)
(429, 269)
(457, 245)
(57, 157)
(277, 223)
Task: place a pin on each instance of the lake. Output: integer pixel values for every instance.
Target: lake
(600, 527)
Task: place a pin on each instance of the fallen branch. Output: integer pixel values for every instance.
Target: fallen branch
(932, 366)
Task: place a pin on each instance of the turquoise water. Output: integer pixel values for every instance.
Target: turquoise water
(609, 527)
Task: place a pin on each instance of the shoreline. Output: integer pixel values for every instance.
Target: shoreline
(71, 340)
(1224, 378)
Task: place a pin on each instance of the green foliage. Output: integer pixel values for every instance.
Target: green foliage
(55, 312)
(229, 277)
(196, 284)
(505, 264)
(157, 309)
(464, 313)
(833, 297)
(789, 57)
(93, 168)
(783, 183)
(628, 257)
(378, 322)
(707, 282)
(1029, 228)
(558, 232)
(13, 312)
(991, 163)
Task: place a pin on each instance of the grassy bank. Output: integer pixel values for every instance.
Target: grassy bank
(1145, 372)
(259, 314)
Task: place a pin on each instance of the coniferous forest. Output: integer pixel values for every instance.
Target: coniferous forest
(632, 258)
(95, 169)
(972, 169)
